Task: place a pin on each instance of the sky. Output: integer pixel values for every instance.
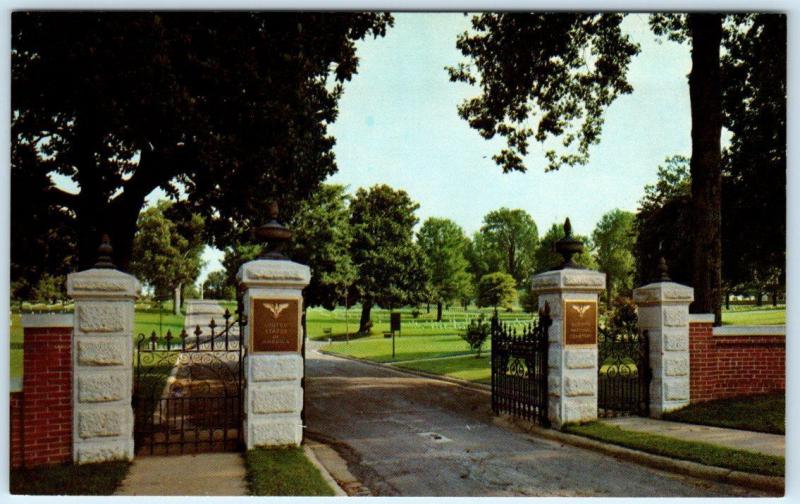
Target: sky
(398, 124)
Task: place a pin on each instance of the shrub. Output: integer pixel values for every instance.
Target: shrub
(476, 334)
(623, 315)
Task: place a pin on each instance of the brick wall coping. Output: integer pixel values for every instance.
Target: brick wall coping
(771, 330)
(47, 320)
(701, 318)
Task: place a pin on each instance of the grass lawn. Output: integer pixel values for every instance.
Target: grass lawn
(702, 453)
(467, 368)
(379, 349)
(761, 413)
(754, 315)
(88, 479)
(284, 471)
(147, 318)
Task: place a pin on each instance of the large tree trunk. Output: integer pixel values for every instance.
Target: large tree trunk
(439, 311)
(705, 95)
(366, 307)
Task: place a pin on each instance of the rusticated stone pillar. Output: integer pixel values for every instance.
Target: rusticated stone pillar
(102, 422)
(664, 314)
(273, 305)
(572, 358)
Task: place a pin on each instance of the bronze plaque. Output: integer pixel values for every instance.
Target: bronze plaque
(580, 322)
(275, 324)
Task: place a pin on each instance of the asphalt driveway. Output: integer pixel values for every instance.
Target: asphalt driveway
(411, 436)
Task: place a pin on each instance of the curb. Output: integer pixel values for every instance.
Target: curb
(337, 490)
(685, 467)
(455, 381)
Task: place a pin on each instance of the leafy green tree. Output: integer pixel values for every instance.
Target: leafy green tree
(551, 76)
(614, 240)
(234, 256)
(389, 263)
(218, 108)
(498, 290)
(50, 289)
(442, 243)
(216, 286)
(167, 252)
(507, 242)
(476, 334)
(754, 165)
(43, 236)
(322, 238)
(663, 215)
(528, 300)
(548, 259)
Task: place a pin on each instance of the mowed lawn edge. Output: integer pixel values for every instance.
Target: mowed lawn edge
(759, 413)
(284, 471)
(702, 453)
(146, 321)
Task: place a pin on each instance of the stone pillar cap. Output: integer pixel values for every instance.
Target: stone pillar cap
(274, 273)
(101, 282)
(47, 320)
(569, 280)
(663, 292)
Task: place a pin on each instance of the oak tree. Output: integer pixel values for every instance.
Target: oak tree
(217, 109)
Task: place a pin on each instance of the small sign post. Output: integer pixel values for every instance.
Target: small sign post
(394, 327)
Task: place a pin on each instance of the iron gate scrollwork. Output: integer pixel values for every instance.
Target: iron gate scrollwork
(519, 368)
(188, 389)
(624, 374)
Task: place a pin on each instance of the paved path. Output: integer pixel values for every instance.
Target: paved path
(413, 436)
(203, 474)
(769, 444)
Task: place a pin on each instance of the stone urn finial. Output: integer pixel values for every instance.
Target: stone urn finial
(273, 234)
(569, 246)
(104, 252)
(663, 270)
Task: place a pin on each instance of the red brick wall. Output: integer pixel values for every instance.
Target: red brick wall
(15, 421)
(729, 366)
(44, 435)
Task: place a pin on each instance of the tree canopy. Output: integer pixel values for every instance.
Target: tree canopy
(442, 243)
(167, 248)
(613, 242)
(498, 290)
(551, 76)
(219, 109)
(507, 242)
(388, 261)
(322, 238)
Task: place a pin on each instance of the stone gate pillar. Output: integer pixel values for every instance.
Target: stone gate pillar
(571, 293)
(273, 305)
(663, 308)
(102, 347)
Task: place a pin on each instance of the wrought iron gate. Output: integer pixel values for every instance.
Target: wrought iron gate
(519, 368)
(624, 374)
(188, 389)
